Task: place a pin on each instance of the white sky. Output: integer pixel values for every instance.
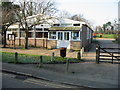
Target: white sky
(99, 11)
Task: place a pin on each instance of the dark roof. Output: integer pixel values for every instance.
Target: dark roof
(64, 28)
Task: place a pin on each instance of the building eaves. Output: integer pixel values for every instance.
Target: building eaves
(64, 28)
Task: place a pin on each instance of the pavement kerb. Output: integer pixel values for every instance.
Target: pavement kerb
(36, 77)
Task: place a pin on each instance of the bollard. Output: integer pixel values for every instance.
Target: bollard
(52, 58)
(67, 65)
(41, 62)
(112, 58)
(79, 55)
(16, 57)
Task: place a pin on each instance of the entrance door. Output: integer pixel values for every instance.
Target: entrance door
(63, 40)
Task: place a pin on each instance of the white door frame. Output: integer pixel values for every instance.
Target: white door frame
(63, 43)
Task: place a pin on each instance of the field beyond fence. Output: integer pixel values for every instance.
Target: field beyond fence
(112, 36)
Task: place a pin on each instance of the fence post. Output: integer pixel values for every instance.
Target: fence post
(67, 65)
(16, 57)
(112, 58)
(79, 55)
(41, 61)
(82, 51)
(52, 58)
(97, 53)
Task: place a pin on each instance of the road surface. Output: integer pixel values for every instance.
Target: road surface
(15, 81)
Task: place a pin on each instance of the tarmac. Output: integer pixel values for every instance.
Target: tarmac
(84, 74)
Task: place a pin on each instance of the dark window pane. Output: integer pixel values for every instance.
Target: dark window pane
(39, 34)
(29, 34)
(45, 34)
(76, 24)
(56, 25)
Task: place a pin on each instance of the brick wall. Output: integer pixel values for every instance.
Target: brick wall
(31, 42)
(51, 44)
(75, 45)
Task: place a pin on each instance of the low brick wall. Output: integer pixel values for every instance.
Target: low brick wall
(51, 44)
(75, 45)
(31, 42)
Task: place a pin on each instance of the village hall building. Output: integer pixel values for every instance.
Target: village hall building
(61, 32)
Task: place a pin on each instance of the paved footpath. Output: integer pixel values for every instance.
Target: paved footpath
(82, 74)
(107, 43)
(89, 74)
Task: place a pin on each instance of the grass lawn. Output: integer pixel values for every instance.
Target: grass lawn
(106, 36)
(32, 59)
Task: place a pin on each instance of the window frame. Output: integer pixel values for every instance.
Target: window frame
(78, 37)
(53, 35)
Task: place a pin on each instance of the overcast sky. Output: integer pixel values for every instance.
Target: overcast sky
(99, 11)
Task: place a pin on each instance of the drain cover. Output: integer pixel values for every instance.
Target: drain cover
(20, 77)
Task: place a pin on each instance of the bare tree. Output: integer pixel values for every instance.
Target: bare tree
(80, 17)
(64, 14)
(7, 17)
(29, 8)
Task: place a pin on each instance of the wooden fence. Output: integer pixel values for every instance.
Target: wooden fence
(107, 54)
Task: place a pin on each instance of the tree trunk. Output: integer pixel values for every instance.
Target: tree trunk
(19, 35)
(26, 39)
(4, 42)
(34, 36)
(4, 37)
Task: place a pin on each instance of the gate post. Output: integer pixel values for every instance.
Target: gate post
(52, 58)
(41, 62)
(112, 58)
(79, 55)
(67, 65)
(97, 53)
(16, 58)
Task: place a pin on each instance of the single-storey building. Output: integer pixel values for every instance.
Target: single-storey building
(61, 33)
(37, 36)
(69, 34)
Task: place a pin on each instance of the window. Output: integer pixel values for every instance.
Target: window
(66, 35)
(60, 35)
(40, 29)
(76, 24)
(45, 29)
(75, 35)
(39, 34)
(45, 34)
(22, 34)
(52, 35)
(80, 35)
(88, 33)
(16, 34)
(56, 24)
(30, 34)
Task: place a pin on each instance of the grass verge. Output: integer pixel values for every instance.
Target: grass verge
(111, 36)
(33, 59)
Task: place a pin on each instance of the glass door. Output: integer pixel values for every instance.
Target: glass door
(63, 39)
